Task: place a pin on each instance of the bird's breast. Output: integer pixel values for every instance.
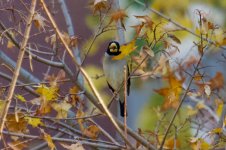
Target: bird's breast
(114, 71)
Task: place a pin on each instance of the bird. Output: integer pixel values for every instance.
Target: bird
(114, 73)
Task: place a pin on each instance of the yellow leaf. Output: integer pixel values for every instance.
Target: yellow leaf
(191, 111)
(20, 97)
(62, 109)
(199, 144)
(48, 139)
(10, 44)
(2, 106)
(216, 131)
(200, 105)
(219, 36)
(125, 50)
(219, 105)
(49, 93)
(79, 114)
(35, 122)
(170, 143)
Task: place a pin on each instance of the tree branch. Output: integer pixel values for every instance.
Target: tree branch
(177, 24)
(24, 76)
(90, 83)
(71, 32)
(94, 144)
(18, 66)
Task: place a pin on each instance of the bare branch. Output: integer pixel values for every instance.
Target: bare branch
(18, 66)
(90, 83)
(94, 144)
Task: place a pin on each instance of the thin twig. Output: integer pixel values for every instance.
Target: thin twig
(125, 101)
(186, 91)
(177, 24)
(71, 32)
(86, 76)
(18, 66)
(94, 144)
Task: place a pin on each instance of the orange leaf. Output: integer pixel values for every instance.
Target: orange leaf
(118, 15)
(92, 131)
(99, 5)
(73, 95)
(172, 92)
(16, 125)
(39, 21)
(217, 82)
(146, 20)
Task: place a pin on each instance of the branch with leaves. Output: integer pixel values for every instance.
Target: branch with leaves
(18, 66)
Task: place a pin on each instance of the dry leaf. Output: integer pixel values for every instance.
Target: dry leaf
(73, 95)
(62, 109)
(174, 38)
(138, 28)
(146, 20)
(207, 90)
(17, 145)
(170, 143)
(13, 125)
(80, 114)
(217, 82)
(48, 139)
(39, 21)
(10, 44)
(99, 5)
(91, 132)
(77, 146)
(2, 106)
(199, 144)
(118, 15)
(172, 92)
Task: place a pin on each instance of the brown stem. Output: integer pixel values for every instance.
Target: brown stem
(87, 78)
(18, 66)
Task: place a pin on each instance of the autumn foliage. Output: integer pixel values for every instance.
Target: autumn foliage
(53, 92)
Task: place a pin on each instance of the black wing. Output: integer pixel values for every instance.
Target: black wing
(128, 81)
(111, 88)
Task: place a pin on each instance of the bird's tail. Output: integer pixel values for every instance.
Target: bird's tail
(122, 108)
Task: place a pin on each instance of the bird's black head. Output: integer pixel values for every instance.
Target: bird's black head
(113, 48)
